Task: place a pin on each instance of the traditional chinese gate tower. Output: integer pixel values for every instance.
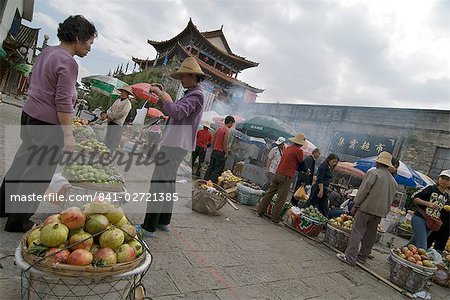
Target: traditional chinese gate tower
(212, 52)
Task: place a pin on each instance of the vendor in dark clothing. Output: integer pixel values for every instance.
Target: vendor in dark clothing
(319, 191)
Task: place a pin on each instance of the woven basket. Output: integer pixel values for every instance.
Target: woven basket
(208, 203)
(76, 271)
(336, 237)
(409, 276)
(442, 277)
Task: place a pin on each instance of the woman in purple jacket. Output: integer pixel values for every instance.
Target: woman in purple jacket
(177, 140)
(51, 97)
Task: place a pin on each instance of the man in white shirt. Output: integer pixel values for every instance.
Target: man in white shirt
(273, 160)
(117, 114)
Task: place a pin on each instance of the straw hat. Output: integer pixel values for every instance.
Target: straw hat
(299, 139)
(127, 89)
(280, 140)
(207, 124)
(353, 193)
(188, 66)
(384, 158)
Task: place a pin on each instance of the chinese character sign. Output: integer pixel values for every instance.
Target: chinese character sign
(361, 145)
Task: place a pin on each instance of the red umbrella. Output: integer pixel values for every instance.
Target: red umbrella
(141, 91)
(349, 168)
(155, 113)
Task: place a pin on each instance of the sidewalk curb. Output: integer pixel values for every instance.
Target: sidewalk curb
(13, 104)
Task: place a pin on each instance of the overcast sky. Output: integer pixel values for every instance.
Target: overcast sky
(365, 53)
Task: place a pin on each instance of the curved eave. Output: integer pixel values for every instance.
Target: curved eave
(190, 29)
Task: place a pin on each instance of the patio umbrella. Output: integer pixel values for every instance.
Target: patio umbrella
(349, 168)
(103, 84)
(265, 127)
(425, 178)
(141, 91)
(405, 174)
(308, 148)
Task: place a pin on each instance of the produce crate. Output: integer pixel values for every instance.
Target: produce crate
(305, 225)
(336, 238)
(248, 196)
(408, 276)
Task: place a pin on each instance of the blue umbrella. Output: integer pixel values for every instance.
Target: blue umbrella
(405, 174)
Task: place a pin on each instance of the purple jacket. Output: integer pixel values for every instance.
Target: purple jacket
(52, 85)
(185, 116)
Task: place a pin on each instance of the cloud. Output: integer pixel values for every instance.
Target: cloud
(380, 53)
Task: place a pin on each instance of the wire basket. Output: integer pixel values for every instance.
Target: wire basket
(336, 238)
(39, 285)
(412, 278)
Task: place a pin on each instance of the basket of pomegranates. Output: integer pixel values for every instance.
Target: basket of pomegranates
(411, 268)
(97, 240)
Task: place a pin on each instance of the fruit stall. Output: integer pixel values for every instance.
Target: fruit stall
(308, 221)
(83, 253)
(241, 190)
(338, 231)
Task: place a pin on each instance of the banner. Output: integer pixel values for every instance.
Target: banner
(361, 145)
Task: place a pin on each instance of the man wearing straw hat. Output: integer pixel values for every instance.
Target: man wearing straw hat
(284, 174)
(117, 114)
(372, 202)
(204, 140)
(177, 140)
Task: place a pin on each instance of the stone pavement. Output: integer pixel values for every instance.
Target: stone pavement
(233, 256)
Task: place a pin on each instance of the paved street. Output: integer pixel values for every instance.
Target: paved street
(233, 256)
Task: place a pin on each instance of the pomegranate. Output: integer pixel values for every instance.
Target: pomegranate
(98, 206)
(52, 218)
(105, 257)
(73, 218)
(112, 238)
(129, 232)
(82, 236)
(59, 255)
(125, 253)
(137, 247)
(75, 231)
(94, 248)
(115, 214)
(122, 221)
(54, 234)
(80, 257)
(96, 223)
(34, 235)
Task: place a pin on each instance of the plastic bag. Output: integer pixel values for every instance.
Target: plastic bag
(141, 113)
(300, 194)
(436, 256)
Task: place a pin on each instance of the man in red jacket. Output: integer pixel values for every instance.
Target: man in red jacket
(292, 156)
(204, 140)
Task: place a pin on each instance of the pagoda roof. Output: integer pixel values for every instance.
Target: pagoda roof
(191, 30)
(218, 75)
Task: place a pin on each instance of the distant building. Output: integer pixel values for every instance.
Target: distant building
(212, 52)
(419, 137)
(18, 45)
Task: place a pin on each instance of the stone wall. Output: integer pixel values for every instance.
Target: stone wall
(417, 132)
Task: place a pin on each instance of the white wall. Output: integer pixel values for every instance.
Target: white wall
(8, 16)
